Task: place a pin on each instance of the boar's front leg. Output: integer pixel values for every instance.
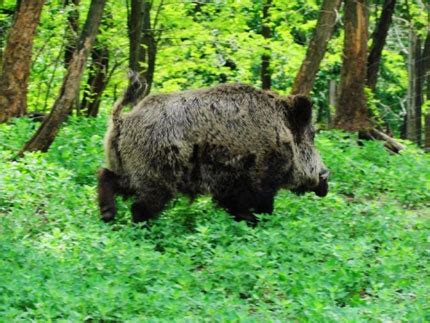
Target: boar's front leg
(107, 186)
(242, 204)
(150, 204)
(238, 204)
(264, 201)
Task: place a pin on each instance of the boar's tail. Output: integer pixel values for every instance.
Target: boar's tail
(136, 90)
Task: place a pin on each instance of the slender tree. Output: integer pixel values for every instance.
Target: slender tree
(98, 72)
(266, 77)
(143, 39)
(97, 80)
(378, 41)
(17, 59)
(46, 133)
(427, 119)
(150, 43)
(72, 29)
(351, 109)
(426, 64)
(71, 39)
(135, 33)
(317, 47)
(413, 113)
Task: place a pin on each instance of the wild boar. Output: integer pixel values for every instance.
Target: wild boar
(235, 142)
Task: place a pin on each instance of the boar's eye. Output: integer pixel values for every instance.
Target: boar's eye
(300, 111)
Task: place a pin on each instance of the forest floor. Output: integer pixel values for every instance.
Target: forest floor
(359, 254)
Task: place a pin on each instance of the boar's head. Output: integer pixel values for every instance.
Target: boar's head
(308, 172)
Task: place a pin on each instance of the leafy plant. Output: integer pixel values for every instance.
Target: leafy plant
(360, 254)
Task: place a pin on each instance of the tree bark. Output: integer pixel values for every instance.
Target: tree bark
(266, 77)
(317, 47)
(4, 24)
(419, 66)
(143, 44)
(149, 44)
(427, 131)
(412, 132)
(135, 27)
(72, 29)
(426, 55)
(45, 135)
(97, 80)
(378, 42)
(98, 74)
(351, 109)
(17, 60)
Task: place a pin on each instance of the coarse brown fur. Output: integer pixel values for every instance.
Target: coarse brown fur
(235, 142)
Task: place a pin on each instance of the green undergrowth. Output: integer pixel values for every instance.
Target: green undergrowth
(360, 254)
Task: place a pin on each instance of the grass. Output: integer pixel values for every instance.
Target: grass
(360, 254)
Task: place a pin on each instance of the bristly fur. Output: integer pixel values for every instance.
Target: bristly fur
(232, 141)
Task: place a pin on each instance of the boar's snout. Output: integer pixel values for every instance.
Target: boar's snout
(322, 188)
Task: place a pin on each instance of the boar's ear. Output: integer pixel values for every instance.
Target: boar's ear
(299, 110)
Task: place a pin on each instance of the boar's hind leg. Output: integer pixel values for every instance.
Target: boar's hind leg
(107, 184)
(150, 204)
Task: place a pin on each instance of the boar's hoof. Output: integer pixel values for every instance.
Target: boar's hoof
(108, 215)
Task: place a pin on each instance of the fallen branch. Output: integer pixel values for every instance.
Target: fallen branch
(374, 134)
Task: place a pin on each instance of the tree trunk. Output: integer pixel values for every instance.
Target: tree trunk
(97, 80)
(72, 29)
(317, 47)
(17, 60)
(351, 109)
(45, 135)
(426, 55)
(149, 44)
(411, 113)
(427, 132)
(98, 74)
(143, 45)
(266, 80)
(135, 27)
(378, 42)
(419, 99)
(4, 23)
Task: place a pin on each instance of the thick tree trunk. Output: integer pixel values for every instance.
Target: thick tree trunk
(317, 47)
(351, 109)
(97, 80)
(17, 60)
(45, 135)
(72, 29)
(378, 42)
(266, 77)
